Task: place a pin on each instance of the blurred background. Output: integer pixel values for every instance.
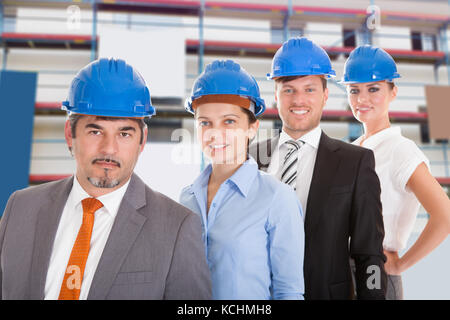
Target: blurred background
(43, 44)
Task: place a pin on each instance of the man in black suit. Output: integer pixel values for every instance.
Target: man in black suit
(336, 182)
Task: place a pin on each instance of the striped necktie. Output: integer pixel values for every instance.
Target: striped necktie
(289, 169)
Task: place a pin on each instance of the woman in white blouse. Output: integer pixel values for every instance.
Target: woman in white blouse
(403, 170)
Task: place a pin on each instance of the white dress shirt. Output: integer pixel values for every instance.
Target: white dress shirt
(69, 225)
(396, 159)
(305, 164)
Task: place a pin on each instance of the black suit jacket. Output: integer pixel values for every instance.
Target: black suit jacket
(343, 219)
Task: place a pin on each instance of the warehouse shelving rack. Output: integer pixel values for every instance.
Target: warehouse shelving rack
(287, 14)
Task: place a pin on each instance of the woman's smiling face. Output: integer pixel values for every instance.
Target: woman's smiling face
(370, 101)
(224, 130)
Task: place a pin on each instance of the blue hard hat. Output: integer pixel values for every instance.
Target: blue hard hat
(299, 56)
(369, 64)
(109, 87)
(226, 77)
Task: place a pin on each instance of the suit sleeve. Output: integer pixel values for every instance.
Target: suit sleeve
(189, 277)
(367, 232)
(3, 223)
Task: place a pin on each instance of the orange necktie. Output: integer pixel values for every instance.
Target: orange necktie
(71, 285)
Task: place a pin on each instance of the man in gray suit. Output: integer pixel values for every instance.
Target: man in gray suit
(134, 243)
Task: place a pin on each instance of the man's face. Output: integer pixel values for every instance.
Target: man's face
(300, 103)
(106, 151)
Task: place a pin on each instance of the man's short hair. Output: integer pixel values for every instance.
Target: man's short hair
(291, 78)
(74, 117)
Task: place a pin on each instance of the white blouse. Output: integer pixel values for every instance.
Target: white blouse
(396, 159)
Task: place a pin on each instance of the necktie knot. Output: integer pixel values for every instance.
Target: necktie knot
(90, 205)
(293, 146)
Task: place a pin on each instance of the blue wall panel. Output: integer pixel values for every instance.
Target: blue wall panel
(17, 100)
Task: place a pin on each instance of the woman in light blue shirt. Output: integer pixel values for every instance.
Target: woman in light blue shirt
(252, 223)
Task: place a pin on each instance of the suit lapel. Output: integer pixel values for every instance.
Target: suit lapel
(325, 168)
(265, 150)
(127, 225)
(47, 224)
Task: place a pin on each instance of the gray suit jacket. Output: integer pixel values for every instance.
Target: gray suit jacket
(154, 250)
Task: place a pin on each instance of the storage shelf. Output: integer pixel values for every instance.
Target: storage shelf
(43, 178)
(347, 116)
(247, 11)
(185, 8)
(42, 108)
(304, 14)
(250, 49)
(47, 41)
(268, 50)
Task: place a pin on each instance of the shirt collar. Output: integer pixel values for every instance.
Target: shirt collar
(111, 201)
(311, 138)
(202, 180)
(379, 137)
(242, 178)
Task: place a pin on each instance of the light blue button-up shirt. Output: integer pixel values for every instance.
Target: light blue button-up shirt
(253, 235)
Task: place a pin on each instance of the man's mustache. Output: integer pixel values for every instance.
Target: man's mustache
(106, 160)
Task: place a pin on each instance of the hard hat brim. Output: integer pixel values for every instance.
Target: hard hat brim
(389, 79)
(290, 74)
(107, 113)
